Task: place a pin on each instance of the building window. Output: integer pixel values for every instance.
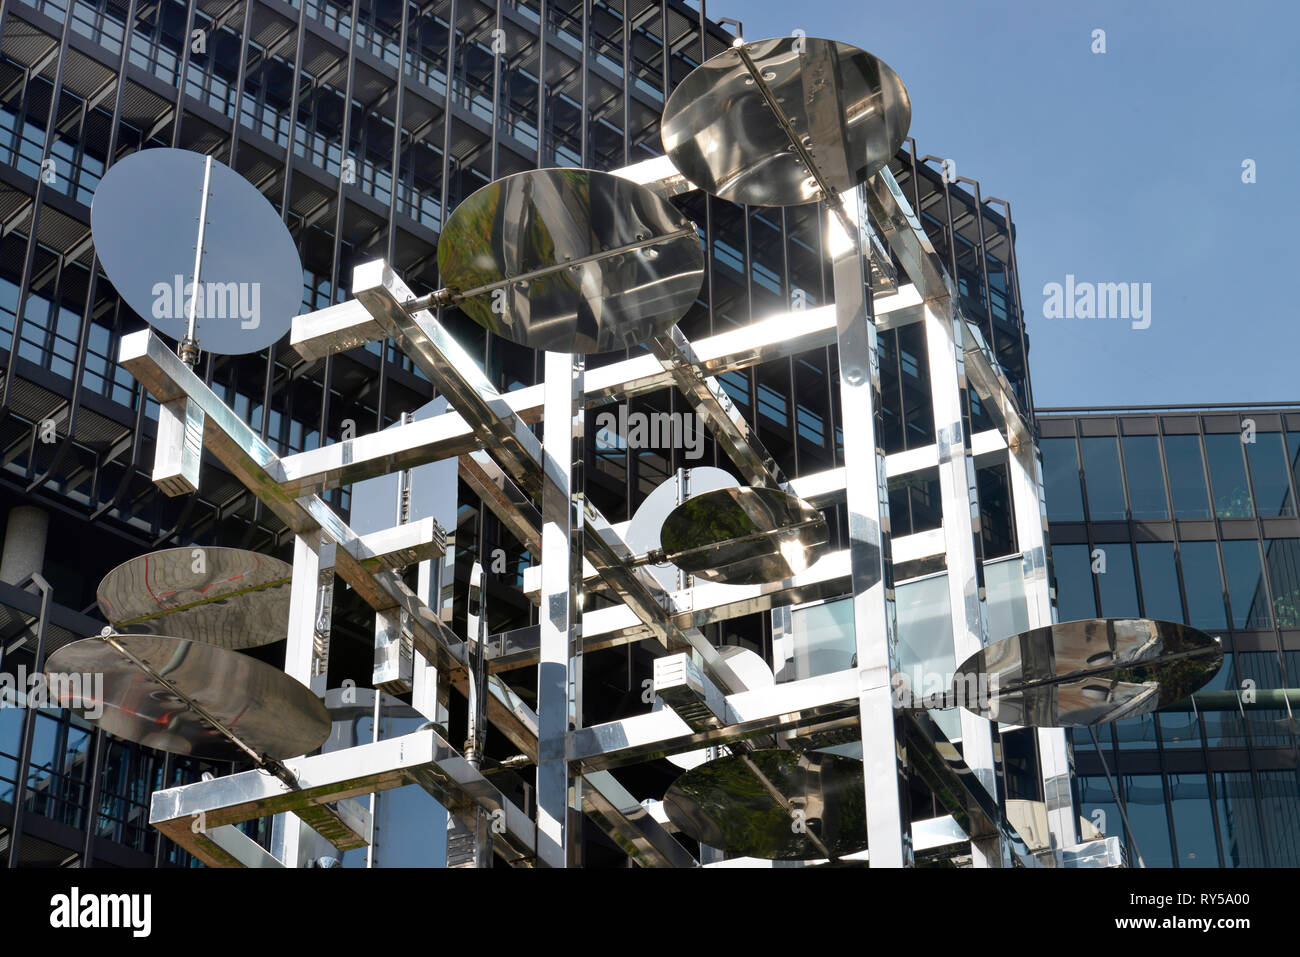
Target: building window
(1137, 734)
(997, 525)
(1101, 476)
(1146, 481)
(1144, 798)
(1187, 476)
(1200, 563)
(1115, 581)
(1096, 804)
(914, 503)
(1160, 593)
(1238, 820)
(1280, 798)
(1073, 568)
(1282, 555)
(1179, 729)
(1228, 476)
(1061, 480)
(1268, 472)
(1246, 591)
(1193, 820)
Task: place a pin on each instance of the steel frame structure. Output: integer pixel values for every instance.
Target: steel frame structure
(573, 762)
(73, 65)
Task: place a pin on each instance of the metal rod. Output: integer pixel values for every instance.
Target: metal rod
(1119, 803)
(268, 764)
(780, 799)
(447, 296)
(98, 746)
(830, 195)
(189, 347)
(658, 556)
(374, 795)
(29, 727)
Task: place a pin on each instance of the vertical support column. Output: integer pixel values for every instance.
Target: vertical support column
(559, 670)
(301, 661)
(943, 336)
(889, 827)
(179, 449)
(1030, 507)
(424, 680)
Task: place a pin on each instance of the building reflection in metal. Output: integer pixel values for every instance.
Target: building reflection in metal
(571, 260)
(1080, 673)
(744, 536)
(227, 597)
(773, 804)
(849, 110)
(272, 713)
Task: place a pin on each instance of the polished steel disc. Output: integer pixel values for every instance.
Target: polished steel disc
(590, 262)
(271, 712)
(144, 221)
(744, 536)
(776, 805)
(222, 596)
(642, 533)
(845, 106)
(1079, 673)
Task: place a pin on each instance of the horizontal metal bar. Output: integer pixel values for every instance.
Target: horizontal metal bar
(402, 545)
(450, 435)
(333, 329)
(422, 758)
(748, 713)
(703, 604)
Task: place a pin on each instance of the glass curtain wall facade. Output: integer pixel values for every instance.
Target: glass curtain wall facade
(1190, 516)
(364, 124)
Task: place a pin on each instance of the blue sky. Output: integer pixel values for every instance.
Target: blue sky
(1123, 166)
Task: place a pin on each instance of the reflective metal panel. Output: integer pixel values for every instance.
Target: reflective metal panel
(1078, 673)
(267, 709)
(848, 109)
(570, 260)
(221, 596)
(642, 533)
(144, 221)
(777, 805)
(744, 536)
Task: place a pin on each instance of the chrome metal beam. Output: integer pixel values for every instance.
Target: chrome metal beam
(870, 562)
(710, 401)
(450, 435)
(422, 758)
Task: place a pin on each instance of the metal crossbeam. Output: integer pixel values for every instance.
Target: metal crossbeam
(188, 813)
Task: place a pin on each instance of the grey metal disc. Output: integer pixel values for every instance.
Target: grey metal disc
(773, 804)
(533, 226)
(1080, 673)
(848, 108)
(236, 599)
(144, 222)
(744, 536)
(272, 712)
